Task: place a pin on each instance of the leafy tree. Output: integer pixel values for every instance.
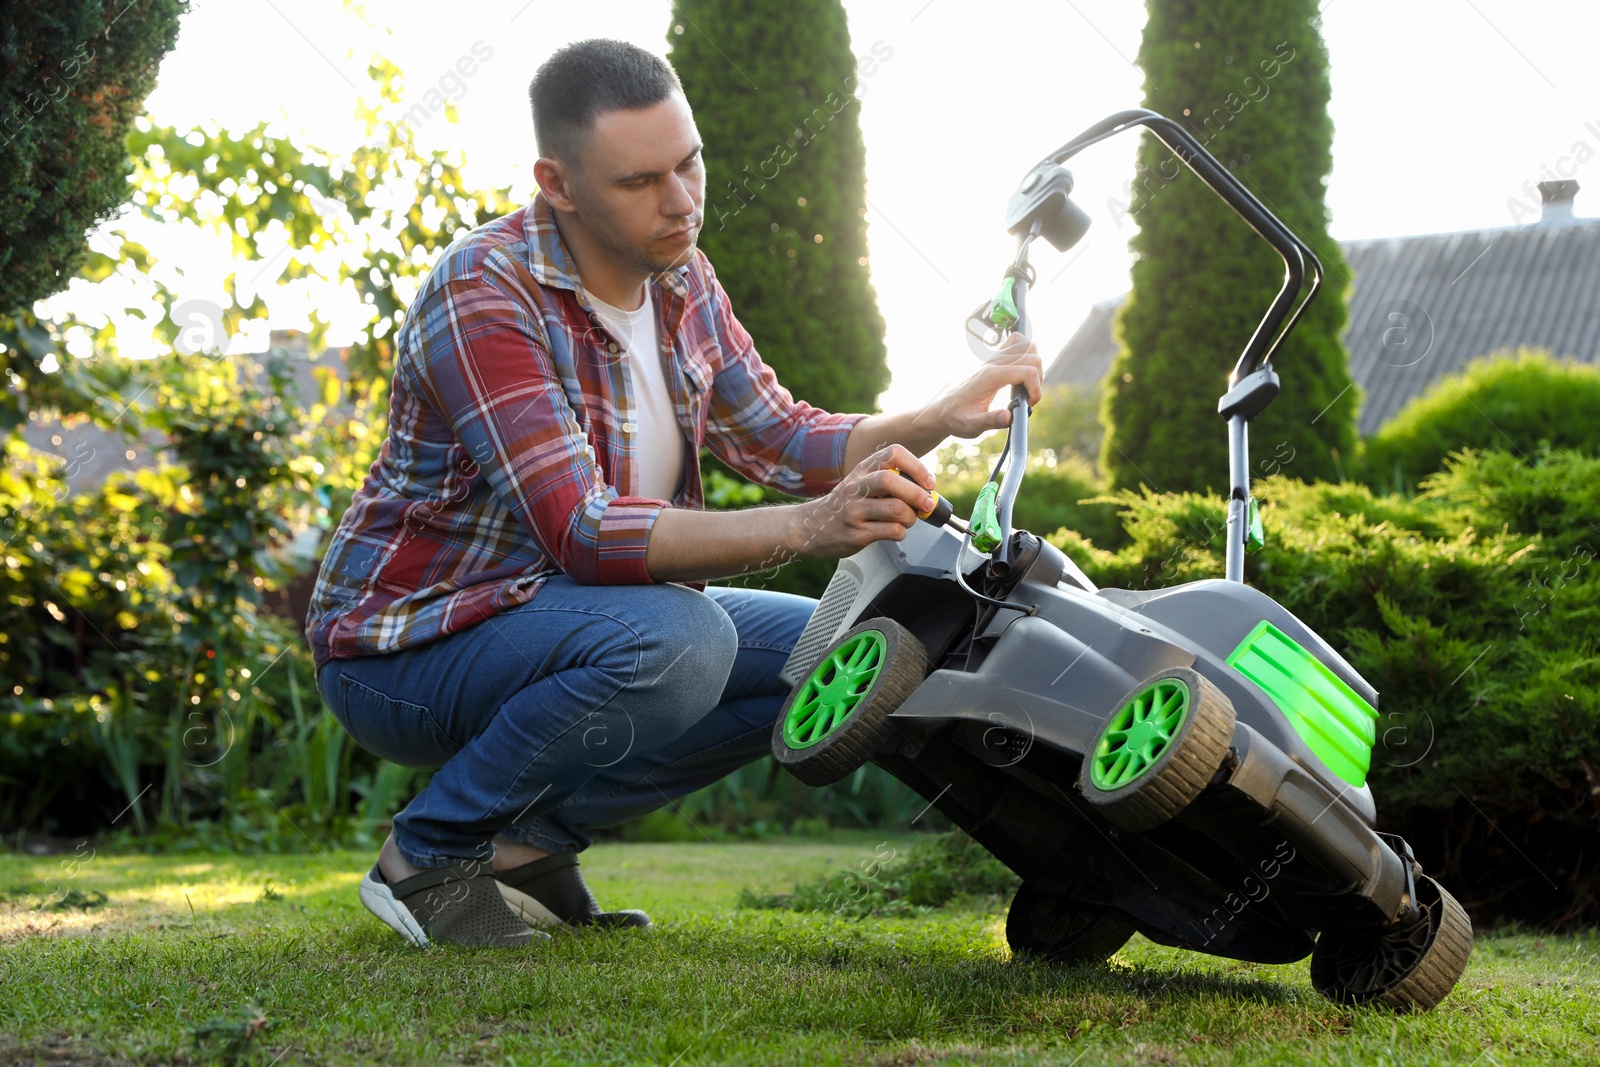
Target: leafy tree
(785, 201)
(73, 76)
(1251, 81)
(132, 623)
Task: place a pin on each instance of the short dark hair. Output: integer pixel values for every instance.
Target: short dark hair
(584, 79)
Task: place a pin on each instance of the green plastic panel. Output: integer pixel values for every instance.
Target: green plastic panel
(1332, 719)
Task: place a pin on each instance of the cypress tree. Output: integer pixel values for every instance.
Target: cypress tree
(1250, 80)
(73, 76)
(772, 84)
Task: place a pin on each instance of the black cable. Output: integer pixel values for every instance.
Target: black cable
(1005, 450)
(961, 580)
(978, 620)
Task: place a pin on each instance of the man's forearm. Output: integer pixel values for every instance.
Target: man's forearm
(687, 545)
(917, 430)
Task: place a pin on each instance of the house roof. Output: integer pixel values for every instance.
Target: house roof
(1422, 307)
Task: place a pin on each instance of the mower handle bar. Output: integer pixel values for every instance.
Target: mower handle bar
(1295, 253)
(1275, 325)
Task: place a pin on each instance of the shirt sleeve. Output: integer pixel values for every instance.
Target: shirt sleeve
(755, 425)
(485, 363)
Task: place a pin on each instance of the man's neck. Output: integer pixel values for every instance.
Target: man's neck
(610, 282)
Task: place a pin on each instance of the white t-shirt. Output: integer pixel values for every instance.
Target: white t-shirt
(657, 440)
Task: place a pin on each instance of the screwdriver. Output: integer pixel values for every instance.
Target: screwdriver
(942, 513)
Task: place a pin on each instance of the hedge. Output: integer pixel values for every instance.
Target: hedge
(1512, 401)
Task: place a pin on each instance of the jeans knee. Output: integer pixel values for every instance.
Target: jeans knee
(690, 649)
(669, 658)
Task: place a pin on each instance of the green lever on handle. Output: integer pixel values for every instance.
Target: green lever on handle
(1003, 312)
(985, 523)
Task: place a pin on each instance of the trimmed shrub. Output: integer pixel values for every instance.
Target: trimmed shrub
(1250, 81)
(785, 169)
(73, 75)
(1512, 401)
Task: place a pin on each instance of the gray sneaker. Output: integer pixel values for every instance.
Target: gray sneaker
(459, 904)
(550, 892)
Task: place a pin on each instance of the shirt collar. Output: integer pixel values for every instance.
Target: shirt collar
(552, 264)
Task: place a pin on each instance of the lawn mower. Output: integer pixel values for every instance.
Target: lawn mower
(1188, 763)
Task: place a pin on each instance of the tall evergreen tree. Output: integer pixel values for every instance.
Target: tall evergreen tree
(1251, 81)
(772, 84)
(73, 76)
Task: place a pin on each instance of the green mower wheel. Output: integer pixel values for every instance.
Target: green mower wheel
(836, 720)
(1158, 750)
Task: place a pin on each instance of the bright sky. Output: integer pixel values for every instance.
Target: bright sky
(1443, 109)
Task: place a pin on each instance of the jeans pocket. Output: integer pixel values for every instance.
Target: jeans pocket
(396, 730)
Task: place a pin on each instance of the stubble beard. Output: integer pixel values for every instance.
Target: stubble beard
(639, 257)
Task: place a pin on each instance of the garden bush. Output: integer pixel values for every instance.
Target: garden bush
(935, 871)
(1513, 401)
(145, 689)
(1471, 608)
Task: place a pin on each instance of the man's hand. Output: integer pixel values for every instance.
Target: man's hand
(962, 412)
(965, 411)
(876, 501)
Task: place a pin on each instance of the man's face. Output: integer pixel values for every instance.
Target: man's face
(640, 185)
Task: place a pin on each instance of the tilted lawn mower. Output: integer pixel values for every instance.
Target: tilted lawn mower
(1189, 763)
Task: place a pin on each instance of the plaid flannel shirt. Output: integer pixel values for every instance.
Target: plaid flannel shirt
(510, 454)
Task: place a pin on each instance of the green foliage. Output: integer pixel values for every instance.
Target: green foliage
(1553, 494)
(73, 75)
(1472, 609)
(373, 217)
(938, 871)
(1251, 82)
(147, 681)
(1513, 400)
(143, 676)
(785, 210)
(88, 603)
(761, 801)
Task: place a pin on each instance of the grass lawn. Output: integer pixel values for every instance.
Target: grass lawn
(179, 942)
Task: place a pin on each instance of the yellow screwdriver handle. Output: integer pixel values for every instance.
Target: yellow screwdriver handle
(942, 509)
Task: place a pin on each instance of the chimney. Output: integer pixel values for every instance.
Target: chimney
(1557, 197)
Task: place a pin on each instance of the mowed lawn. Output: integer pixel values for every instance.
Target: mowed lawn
(272, 960)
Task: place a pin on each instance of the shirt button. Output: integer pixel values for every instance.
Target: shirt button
(628, 427)
(611, 347)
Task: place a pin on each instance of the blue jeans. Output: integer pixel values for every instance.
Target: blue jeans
(585, 707)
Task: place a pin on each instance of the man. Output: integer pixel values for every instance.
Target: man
(517, 594)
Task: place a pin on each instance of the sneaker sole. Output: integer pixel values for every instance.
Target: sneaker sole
(379, 899)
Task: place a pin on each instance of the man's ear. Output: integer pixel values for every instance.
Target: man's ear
(554, 180)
